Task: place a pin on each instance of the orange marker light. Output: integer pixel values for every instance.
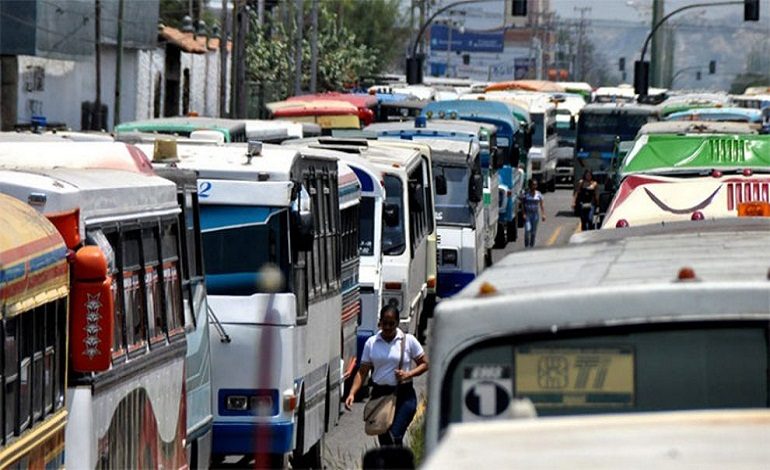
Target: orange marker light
(686, 274)
(487, 289)
(754, 209)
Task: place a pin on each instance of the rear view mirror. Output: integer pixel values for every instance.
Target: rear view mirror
(476, 190)
(441, 188)
(390, 214)
(415, 196)
(304, 226)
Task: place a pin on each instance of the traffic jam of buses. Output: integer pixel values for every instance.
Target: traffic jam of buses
(426, 272)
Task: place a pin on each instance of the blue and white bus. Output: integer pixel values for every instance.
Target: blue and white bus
(271, 237)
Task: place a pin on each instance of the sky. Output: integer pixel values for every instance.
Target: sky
(633, 9)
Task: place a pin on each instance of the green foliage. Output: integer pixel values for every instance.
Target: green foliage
(342, 58)
(380, 25)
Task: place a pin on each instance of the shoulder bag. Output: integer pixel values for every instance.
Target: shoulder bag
(379, 412)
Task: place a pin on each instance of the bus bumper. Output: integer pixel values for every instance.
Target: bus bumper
(250, 438)
(451, 283)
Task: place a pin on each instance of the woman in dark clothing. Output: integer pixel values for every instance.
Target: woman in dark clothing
(586, 199)
(382, 356)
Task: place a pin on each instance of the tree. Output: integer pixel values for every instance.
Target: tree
(380, 26)
(342, 58)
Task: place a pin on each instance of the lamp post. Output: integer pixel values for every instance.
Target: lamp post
(413, 61)
(641, 67)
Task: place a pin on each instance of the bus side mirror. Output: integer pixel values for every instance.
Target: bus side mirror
(390, 215)
(305, 231)
(415, 201)
(528, 137)
(572, 124)
(381, 458)
(441, 188)
(476, 188)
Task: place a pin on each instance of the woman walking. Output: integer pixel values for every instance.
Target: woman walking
(382, 355)
(533, 208)
(586, 199)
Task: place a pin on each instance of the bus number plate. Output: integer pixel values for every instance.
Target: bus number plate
(575, 377)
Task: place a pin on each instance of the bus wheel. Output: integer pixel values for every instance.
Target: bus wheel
(313, 458)
(269, 461)
(552, 185)
(512, 231)
(501, 238)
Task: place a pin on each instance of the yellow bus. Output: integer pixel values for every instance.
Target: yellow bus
(34, 279)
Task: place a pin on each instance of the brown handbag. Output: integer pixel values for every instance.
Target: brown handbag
(379, 412)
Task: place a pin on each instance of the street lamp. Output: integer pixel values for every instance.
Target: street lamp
(642, 67)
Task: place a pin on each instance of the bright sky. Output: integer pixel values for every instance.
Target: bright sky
(633, 9)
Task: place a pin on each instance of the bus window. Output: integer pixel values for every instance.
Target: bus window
(393, 236)
(366, 221)
(538, 133)
(109, 240)
(235, 254)
(133, 299)
(11, 373)
(175, 321)
(152, 285)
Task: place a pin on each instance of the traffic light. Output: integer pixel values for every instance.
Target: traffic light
(414, 70)
(750, 10)
(641, 77)
(622, 64)
(519, 7)
(712, 67)
(697, 75)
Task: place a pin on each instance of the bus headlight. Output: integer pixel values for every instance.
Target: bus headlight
(237, 403)
(448, 256)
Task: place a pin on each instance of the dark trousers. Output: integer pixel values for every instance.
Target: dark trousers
(406, 407)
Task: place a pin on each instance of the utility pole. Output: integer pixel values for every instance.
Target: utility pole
(97, 114)
(118, 65)
(298, 49)
(223, 61)
(580, 62)
(657, 39)
(314, 48)
(238, 79)
(449, 27)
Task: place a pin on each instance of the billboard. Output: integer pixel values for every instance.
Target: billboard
(465, 40)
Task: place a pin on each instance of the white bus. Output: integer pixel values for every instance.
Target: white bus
(265, 209)
(644, 319)
(197, 360)
(408, 222)
(126, 386)
(460, 218)
(369, 244)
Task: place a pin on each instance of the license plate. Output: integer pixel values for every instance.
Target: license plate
(575, 377)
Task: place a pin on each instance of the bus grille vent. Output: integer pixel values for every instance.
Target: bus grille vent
(728, 150)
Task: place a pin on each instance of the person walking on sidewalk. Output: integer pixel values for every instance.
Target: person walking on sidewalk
(382, 355)
(534, 212)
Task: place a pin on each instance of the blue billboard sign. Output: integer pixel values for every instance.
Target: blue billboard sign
(466, 41)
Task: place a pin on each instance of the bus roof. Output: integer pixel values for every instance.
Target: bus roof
(33, 259)
(666, 440)
(696, 127)
(615, 108)
(718, 114)
(667, 153)
(630, 259)
(497, 110)
(274, 162)
(181, 125)
(47, 154)
(368, 175)
(99, 194)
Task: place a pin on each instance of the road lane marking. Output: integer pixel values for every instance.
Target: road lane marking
(554, 236)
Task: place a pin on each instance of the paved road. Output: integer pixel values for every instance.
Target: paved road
(346, 444)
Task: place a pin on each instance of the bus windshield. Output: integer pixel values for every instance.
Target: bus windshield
(660, 367)
(597, 132)
(538, 132)
(366, 226)
(393, 237)
(452, 208)
(237, 242)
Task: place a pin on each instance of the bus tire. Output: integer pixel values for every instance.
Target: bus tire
(512, 231)
(501, 239)
(552, 184)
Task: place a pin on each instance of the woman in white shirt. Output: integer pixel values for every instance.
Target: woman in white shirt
(382, 355)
